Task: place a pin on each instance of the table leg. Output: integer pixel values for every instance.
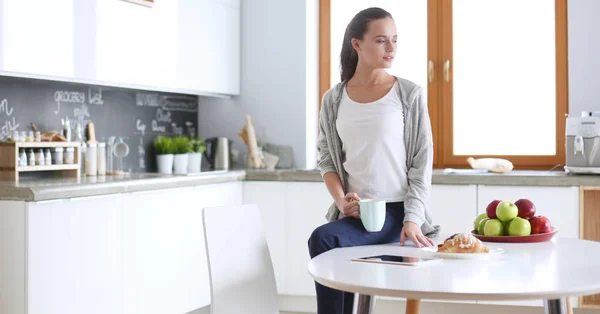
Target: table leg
(366, 304)
(556, 306)
(413, 306)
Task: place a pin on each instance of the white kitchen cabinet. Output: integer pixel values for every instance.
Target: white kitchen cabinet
(74, 256)
(270, 197)
(453, 207)
(559, 204)
(307, 204)
(136, 44)
(37, 38)
(209, 46)
(187, 46)
(165, 264)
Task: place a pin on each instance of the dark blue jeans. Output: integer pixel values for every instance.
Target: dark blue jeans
(350, 232)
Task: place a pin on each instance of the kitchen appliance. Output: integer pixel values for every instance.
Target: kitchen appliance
(217, 152)
(583, 143)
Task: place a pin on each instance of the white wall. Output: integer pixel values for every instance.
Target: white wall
(584, 49)
(279, 79)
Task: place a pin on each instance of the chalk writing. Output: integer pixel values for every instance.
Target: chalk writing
(9, 125)
(95, 96)
(146, 100)
(158, 128)
(67, 97)
(5, 108)
(140, 126)
(180, 103)
(81, 112)
(163, 115)
(177, 130)
(142, 152)
(191, 130)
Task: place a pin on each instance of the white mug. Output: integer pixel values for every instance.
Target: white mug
(372, 214)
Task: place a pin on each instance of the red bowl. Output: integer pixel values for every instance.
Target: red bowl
(540, 237)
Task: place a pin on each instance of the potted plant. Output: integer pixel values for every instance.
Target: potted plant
(164, 154)
(181, 148)
(198, 147)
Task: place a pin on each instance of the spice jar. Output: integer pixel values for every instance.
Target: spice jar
(31, 158)
(101, 159)
(23, 158)
(58, 156)
(69, 157)
(37, 136)
(39, 157)
(91, 163)
(48, 157)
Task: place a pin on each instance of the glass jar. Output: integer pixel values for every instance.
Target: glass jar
(101, 159)
(23, 136)
(31, 158)
(58, 156)
(91, 160)
(69, 157)
(48, 157)
(37, 136)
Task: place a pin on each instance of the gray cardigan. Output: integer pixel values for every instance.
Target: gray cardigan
(419, 149)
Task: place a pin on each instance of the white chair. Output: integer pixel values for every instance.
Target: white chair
(240, 268)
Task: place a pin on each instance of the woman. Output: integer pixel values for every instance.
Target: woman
(374, 142)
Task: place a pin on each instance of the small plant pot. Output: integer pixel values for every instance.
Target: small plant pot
(194, 162)
(180, 163)
(164, 163)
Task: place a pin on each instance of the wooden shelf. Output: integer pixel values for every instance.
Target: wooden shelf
(41, 144)
(47, 168)
(9, 156)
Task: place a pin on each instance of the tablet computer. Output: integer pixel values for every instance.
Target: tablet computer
(398, 260)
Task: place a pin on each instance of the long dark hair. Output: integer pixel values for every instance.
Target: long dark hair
(357, 29)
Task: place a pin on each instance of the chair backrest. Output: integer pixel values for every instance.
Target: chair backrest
(240, 268)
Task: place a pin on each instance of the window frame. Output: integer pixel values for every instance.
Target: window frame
(439, 93)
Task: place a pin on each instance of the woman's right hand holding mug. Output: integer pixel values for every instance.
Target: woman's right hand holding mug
(349, 205)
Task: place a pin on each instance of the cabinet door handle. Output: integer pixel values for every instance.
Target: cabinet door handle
(447, 71)
(430, 70)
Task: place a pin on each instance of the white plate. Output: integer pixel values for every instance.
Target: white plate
(493, 252)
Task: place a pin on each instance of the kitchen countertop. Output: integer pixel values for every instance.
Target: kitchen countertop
(48, 189)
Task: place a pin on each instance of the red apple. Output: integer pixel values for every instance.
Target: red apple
(540, 224)
(526, 208)
(490, 210)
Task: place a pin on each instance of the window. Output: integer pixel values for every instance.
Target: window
(495, 72)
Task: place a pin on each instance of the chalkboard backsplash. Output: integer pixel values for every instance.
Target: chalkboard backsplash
(133, 115)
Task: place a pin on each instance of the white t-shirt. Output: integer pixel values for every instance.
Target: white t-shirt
(372, 137)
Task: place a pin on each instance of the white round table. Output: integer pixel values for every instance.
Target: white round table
(551, 271)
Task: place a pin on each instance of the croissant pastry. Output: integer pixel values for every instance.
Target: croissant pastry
(463, 243)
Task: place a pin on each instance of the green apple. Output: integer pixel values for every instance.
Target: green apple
(478, 219)
(481, 226)
(506, 224)
(506, 211)
(493, 227)
(519, 227)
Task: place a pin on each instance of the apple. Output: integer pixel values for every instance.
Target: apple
(519, 227)
(505, 225)
(480, 228)
(526, 208)
(478, 219)
(540, 224)
(493, 227)
(490, 210)
(506, 211)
